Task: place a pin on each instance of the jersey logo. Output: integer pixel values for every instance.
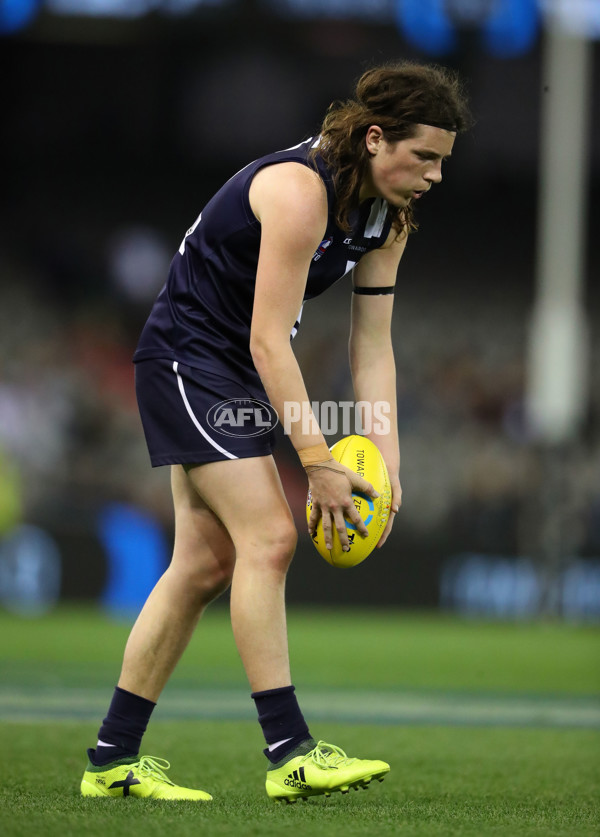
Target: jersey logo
(189, 232)
(321, 249)
(358, 247)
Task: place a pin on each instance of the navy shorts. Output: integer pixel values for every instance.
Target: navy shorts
(191, 416)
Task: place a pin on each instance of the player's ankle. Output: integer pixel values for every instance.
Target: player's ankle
(281, 720)
(281, 753)
(102, 756)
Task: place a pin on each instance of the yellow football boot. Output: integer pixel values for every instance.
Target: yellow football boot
(320, 769)
(141, 777)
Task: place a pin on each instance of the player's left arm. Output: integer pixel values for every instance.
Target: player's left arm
(372, 356)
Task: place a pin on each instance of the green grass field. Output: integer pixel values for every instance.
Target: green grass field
(489, 728)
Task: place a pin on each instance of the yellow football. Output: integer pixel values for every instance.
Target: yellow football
(364, 458)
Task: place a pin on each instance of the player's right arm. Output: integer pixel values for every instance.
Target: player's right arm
(290, 202)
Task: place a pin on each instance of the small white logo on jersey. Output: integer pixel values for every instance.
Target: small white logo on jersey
(189, 232)
(358, 247)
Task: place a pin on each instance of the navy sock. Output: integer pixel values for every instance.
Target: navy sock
(280, 718)
(123, 727)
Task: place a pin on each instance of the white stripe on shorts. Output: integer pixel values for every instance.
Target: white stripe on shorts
(193, 417)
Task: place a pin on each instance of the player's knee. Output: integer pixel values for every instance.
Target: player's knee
(280, 545)
(217, 582)
(208, 585)
(203, 581)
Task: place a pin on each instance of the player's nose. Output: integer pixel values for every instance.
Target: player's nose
(434, 173)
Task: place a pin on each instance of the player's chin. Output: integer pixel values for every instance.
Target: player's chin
(401, 201)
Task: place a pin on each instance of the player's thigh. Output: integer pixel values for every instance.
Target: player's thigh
(202, 543)
(247, 496)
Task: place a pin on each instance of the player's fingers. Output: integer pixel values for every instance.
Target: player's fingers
(327, 535)
(386, 531)
(360, 484)
(352, 514)
(313, 518)
(393, 511)
(340, 525)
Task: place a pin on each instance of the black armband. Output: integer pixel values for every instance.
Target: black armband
(387, 289)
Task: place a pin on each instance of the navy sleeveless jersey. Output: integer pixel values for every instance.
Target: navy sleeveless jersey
(202, 316)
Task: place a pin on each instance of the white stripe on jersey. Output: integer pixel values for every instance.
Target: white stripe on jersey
(281, 151)
(296, 326)
(293, 147)
(189, 232)
(349, 266)
(193, 417)
(377, 217)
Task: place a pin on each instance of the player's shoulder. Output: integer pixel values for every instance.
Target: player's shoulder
(289, 176)
(287, 187)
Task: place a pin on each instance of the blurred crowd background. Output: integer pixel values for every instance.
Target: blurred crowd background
(116, 129)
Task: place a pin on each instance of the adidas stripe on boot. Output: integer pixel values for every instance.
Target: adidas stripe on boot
(320, 769)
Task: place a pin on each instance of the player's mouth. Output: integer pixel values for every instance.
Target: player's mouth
(417, 195)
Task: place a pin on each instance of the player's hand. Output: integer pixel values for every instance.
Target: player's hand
(331, 485)
(395, 508)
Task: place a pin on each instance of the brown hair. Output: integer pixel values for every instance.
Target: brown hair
(396, 97)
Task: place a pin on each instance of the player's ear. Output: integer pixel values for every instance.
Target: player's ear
(373, 139)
